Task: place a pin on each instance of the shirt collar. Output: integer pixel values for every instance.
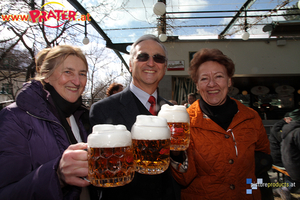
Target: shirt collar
(142, 95)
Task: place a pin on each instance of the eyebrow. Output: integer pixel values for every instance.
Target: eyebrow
(213, 73)
(72, 69)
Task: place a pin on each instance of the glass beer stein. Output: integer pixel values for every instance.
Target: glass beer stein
(110, 156)
(179, 123)
(151, 144)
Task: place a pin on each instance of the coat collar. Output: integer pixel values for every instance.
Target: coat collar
(199, 119)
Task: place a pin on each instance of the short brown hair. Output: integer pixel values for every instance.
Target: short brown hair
(113, 87)
(205, 55)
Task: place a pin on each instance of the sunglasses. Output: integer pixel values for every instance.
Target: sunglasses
(142, 57)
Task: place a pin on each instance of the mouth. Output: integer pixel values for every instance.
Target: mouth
(213, 91)
(73, 88)
(149, 71)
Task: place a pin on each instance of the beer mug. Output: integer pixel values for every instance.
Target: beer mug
(110, 156)
(179, 123)
(151, 144)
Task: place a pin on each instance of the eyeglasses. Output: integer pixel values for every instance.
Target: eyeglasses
(142, 57)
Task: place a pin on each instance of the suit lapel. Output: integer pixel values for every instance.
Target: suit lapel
(128, 108)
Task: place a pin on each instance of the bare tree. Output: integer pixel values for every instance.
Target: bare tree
(24, 34)
(101, 71)
(29, 35)
(13, 70)
(294, 13)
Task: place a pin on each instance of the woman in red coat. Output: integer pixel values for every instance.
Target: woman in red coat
(225, 135)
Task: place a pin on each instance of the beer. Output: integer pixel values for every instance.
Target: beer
(110, 156)
(180, 136)
(151, 144)
(179, 124)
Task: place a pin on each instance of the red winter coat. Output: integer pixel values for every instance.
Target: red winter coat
(217, 169)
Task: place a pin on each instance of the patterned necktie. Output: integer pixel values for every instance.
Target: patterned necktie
(152, 101)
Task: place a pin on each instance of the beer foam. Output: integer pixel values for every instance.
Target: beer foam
(176, 113)
(149, 127)
(108, 135)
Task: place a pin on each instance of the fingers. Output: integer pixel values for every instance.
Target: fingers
(78, 146)
(73, 175)
(76, 152)
(76, 155)
(74, 165)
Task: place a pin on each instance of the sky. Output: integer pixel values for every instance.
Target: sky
(126, 20)
(136, 17)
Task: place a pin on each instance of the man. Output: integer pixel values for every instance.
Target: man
(148, 63)
(290, 151)
(191, 99)
(275, 139)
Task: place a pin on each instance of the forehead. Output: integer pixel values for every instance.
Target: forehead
(211, 67)
(73, 62)
(149, 46)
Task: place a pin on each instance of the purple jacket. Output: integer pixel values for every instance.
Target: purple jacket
(32, 141)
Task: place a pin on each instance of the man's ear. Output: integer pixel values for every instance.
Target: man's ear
(130, 67)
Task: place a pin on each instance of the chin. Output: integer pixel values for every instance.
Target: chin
(213, 103)
(73, 100)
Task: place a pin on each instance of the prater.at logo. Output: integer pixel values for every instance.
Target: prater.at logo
(58, 16)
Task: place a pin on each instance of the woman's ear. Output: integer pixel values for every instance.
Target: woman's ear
(46, 80)
(229, 82)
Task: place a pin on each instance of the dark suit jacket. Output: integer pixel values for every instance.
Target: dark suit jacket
(122, 108)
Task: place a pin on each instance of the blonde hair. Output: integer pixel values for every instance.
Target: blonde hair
(49, 59)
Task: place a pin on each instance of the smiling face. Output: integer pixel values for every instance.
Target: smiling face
(147, 74)
(69, 78)
(213, 83)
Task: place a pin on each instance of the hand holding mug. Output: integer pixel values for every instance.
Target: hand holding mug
(73, 166)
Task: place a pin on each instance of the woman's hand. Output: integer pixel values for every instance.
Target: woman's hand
(73, 166)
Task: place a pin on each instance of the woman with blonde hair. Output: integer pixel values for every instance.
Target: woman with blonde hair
(41, 134)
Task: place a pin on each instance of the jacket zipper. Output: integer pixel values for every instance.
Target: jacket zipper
(51, 121)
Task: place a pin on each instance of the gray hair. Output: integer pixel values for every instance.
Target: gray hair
(143, 38)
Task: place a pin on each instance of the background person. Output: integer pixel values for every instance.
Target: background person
(191, 99)
(173, 102)
(148, 63)
(36, 132)
(225, 135)
(275, 139)
(114, 88)
(290, 151)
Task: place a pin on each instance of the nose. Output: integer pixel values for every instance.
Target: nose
(76, 80)
(211, 82)
(150, 61)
